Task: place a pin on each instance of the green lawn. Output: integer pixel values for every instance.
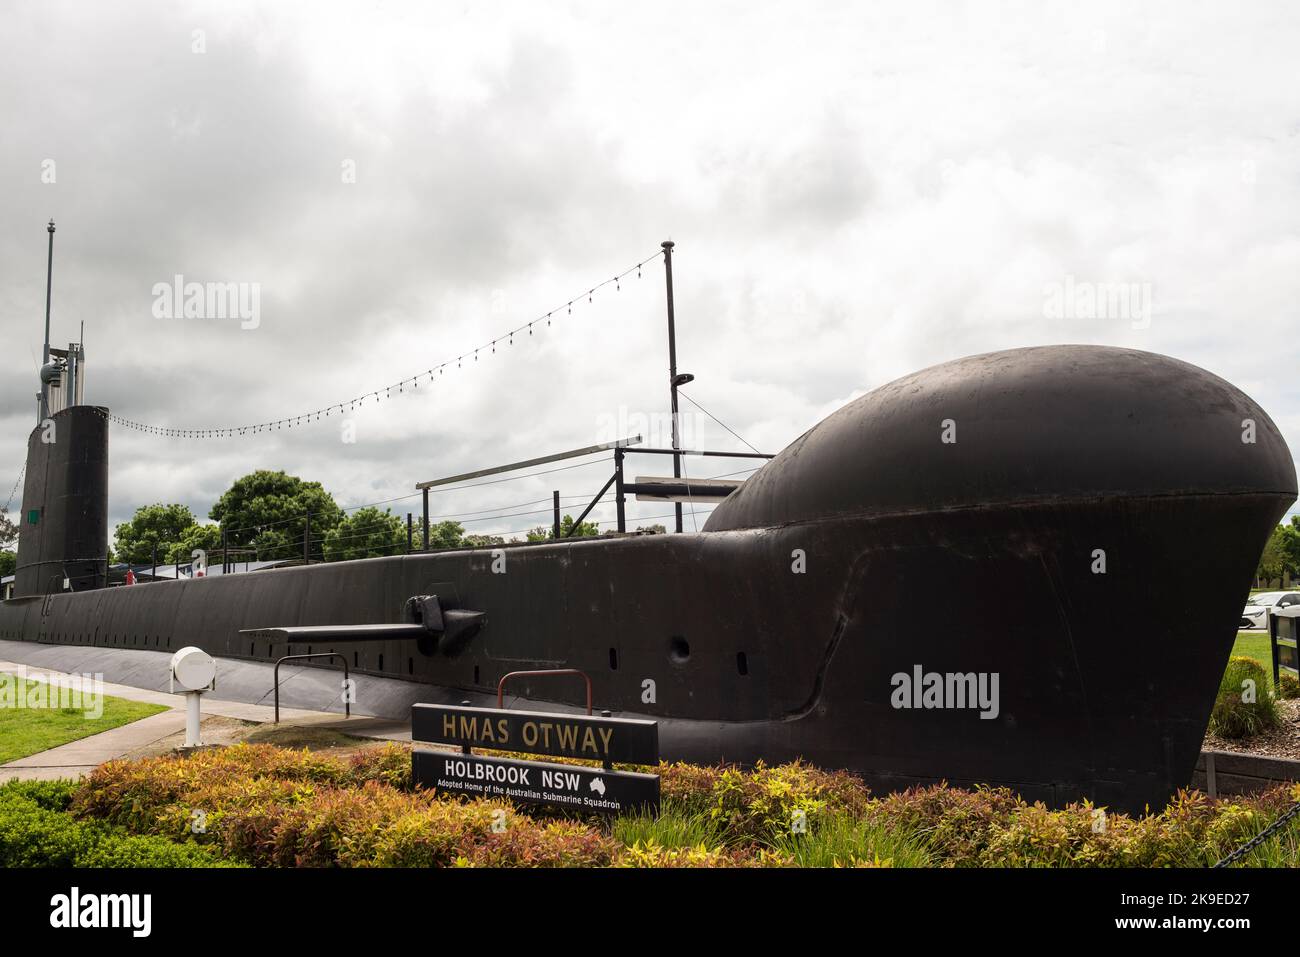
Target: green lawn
(1255, 644)
(28, 730)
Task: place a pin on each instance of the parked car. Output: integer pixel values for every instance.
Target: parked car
(1257, 608)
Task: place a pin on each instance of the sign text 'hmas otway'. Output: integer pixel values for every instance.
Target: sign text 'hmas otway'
(628, 740)
(586, 789)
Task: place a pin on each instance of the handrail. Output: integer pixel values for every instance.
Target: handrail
(501, 685)
(706, 452)
(347, 704)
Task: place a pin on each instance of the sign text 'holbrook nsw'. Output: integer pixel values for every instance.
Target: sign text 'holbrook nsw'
(628, 740)
(591, 790)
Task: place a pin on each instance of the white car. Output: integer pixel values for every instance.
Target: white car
(1257, 609)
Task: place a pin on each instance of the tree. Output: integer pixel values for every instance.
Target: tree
(268, 510)
(161, 525)
(8, 530)
(585, 530)
(482, 541)
(274, 543)
(206, 537)
(447, 535)
(8, 562)
(366, 533)
(1290, 545)
(1281, 556)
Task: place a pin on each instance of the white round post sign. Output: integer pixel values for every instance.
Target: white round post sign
(193, 668)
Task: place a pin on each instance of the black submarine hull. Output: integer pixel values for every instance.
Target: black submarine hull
(1071, 530)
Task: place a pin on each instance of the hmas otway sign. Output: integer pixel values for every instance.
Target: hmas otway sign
(587, 789)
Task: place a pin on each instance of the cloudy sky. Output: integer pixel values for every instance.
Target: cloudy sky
(854, 194)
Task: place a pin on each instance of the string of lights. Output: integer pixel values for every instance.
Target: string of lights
(430, 375)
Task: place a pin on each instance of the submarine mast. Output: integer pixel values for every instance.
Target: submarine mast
(43, 412)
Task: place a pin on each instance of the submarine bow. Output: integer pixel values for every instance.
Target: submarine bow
(1076, 526)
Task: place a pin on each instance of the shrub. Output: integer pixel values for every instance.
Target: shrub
(655, 855)
(1075, 836)
(290, 809)
(148, 851)
(433, 835)
(1288, 685)
(1234, 716)
(161, 795)
(841, 841)
(956, 825)
(33, 835)
(272, 807)
(671, 829)
(994, 828)
(555, 844)
(390, 764)
(763, 804)
(50, 795)
(1194, 830)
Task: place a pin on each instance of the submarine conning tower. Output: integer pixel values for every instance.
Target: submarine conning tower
(63, 529)
(63, 535)
(1023, 426)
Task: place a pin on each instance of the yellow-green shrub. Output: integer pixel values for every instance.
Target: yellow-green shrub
(654, 855)
(267, 806)
(1234, 716)
(762, 804)
(272, 807)
(956, 824)
(553, 844)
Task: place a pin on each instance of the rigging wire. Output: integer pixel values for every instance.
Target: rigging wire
(21, 472)
(716, 419)
(446, 488)
(468, 519)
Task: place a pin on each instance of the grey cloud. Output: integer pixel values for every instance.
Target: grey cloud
(855, 194)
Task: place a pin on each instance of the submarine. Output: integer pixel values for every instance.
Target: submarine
(1022, 569)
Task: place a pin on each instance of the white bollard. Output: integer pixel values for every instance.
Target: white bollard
(196, 672)
(192, 739)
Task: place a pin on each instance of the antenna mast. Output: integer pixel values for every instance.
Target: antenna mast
(49, 280)
(674, 378)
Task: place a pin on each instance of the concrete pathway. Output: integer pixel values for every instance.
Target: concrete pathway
(76, 758)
